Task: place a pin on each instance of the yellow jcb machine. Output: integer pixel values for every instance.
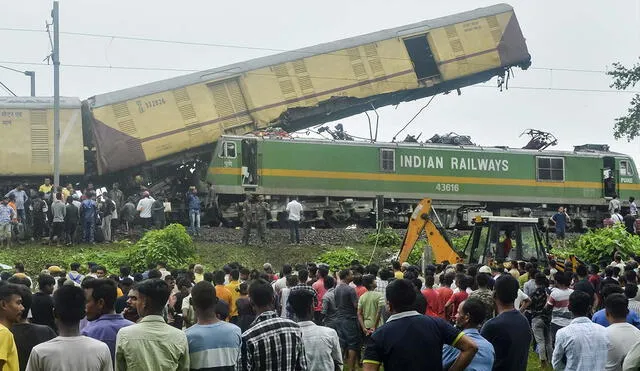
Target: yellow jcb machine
(493, 240)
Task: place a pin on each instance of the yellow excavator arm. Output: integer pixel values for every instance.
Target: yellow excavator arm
(421, 221)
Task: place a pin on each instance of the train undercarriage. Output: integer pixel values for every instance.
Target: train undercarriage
(334, 212)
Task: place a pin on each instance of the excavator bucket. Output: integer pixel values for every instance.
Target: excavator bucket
(421, 221)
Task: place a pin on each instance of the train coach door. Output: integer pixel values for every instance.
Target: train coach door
(421, 56)
(609, 176)
(249, 148)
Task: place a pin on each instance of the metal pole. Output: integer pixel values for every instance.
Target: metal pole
(56, 94)
(32, 75)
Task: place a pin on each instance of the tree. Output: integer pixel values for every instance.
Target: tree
(627, 126)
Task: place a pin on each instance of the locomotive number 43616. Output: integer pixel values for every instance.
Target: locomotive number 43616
(447, 187)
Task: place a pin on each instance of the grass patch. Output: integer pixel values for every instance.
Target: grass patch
(212, 256)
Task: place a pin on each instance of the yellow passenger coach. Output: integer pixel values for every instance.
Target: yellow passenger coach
(26, 124)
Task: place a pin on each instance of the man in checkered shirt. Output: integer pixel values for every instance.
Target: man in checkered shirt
(272, 342)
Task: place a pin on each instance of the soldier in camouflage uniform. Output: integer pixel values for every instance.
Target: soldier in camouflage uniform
(254, 212)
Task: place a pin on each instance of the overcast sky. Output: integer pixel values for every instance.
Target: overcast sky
(582, 35)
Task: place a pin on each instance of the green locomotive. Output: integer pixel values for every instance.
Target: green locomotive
(342, 182)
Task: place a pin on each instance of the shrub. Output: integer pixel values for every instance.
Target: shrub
(387, 237)
(172, 245)
(339, 259)
(601, 244)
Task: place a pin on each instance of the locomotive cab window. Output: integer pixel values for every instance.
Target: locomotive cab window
(550, 168)
(388, 160)
(229, 150)
(625, 168)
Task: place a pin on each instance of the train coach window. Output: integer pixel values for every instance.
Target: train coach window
(387, 160)
(550, 168)
(229, 150)
(625, 169)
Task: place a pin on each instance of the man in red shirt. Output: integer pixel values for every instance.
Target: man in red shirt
(445, 292)
(451, 308)
(323, 271)
(431, 296)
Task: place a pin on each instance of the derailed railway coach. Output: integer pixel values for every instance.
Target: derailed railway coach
(344, 182)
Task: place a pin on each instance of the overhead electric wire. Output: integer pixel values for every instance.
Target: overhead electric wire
(413, 118)
(11, 69)
(152, 69)
(7, 89)
(249, 47)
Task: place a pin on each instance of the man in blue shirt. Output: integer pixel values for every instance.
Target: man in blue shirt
(471, 314)
(7, 215)
(600, 316)
(560, 220)
(194, 210)
(20, 198)
(104, 323)
(213, 344)
(89, 213)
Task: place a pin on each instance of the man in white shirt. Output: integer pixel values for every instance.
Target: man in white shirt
(70, 350)
(616, 217)
(622, 335)
(144, 207)
(294, 209)
(321, 344)
(582, 345)
(614, 204)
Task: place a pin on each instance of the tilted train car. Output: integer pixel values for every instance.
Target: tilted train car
(27, 139)
(301, 88)
(339, 180)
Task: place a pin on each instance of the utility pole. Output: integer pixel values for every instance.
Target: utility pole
(32, 75)
(56, 94)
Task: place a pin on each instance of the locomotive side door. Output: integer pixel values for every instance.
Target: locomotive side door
(609, 176)
(249, 165)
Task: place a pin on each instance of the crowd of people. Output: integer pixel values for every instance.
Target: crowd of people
(65, 215)
(452, 317)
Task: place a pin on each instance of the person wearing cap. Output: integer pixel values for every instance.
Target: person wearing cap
(7, 216)
(144, 208)
(483, 293)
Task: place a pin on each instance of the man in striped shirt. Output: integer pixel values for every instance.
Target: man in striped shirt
(272, 342)
(631, 291)
(559, 304)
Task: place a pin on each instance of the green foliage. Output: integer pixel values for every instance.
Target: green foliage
(627, 126)
(339, 259)
(387, 237)
(415, 256)
(460, 242)
(172, 245)
(601, 244)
